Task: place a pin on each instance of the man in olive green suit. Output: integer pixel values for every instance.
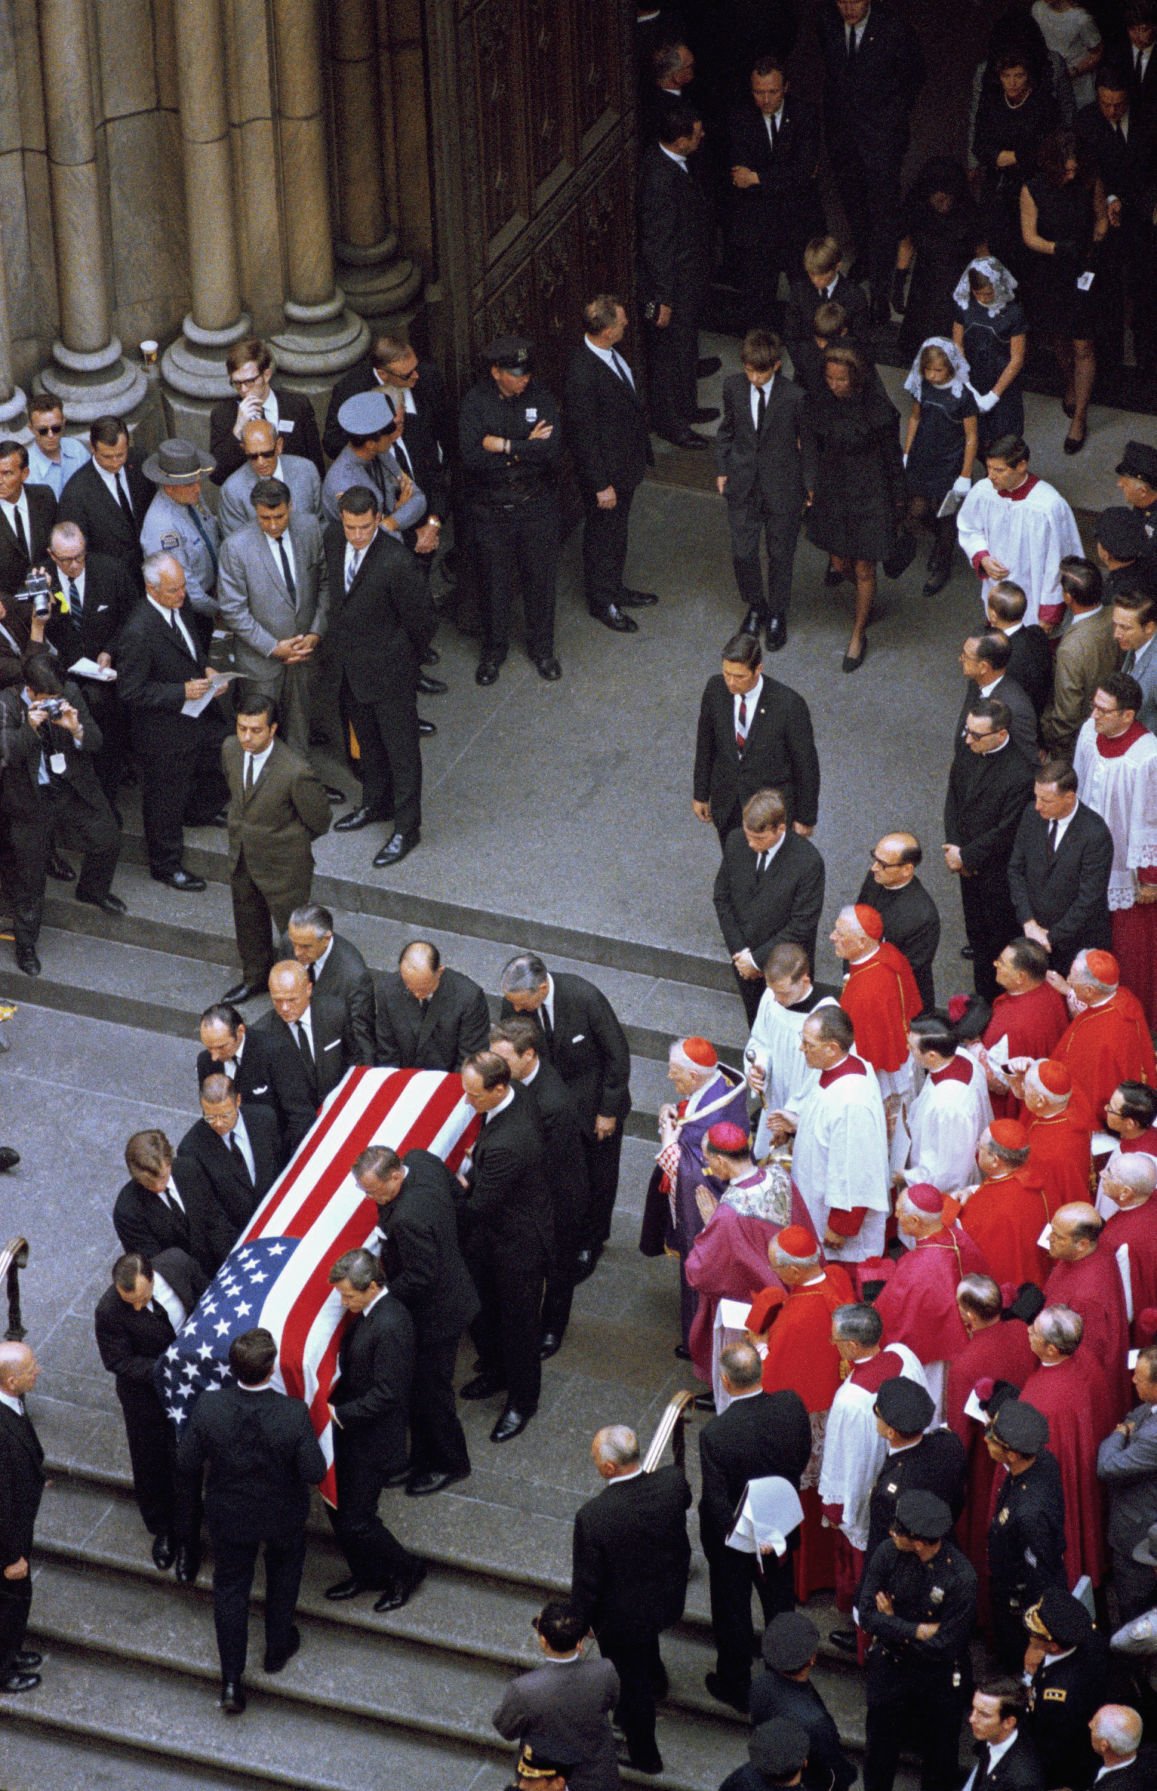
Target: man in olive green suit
(277, 808)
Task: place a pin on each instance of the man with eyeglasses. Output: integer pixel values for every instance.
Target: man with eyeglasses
(249, 365)
(989, 787)
(265, 458)
(53, 457)
(95, 595)
(911, 918)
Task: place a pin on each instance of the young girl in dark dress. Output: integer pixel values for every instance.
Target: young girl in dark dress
(990, 333)
(942, 231)
(939, 448)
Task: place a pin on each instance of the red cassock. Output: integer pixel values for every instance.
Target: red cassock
(918, 1305)
(1001, 1352)
(1075, 1400)
(1106, 1045)
(1060, 1154)
(1093, 1288)
(1004, 1218)
(1137, 1227)
(880, 998)
(1032, 1023)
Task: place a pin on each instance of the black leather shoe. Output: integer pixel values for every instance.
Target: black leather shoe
(432, 686)
(549, 1346)
(335, 795)
(845, 1639)
(243, 992)
(434, 1480)
(511, 1424)
(776, 634)
(705, 413)
(547, 667)
(357, 818)
(431, 656)
(27, 1660)
(612, 617)
(706, 365)
(274, 1662)
(751, 624)
(683, 1353)
(399, 1477)
(586, 1262)
(344, 1589)
(180, 879)
(487, 670)
(164, 1551)
(27, 960)
(483, 1386)
(967, 951)
(685, 438)
(833, 577)
(188, 1564)
(426, 728)
(851, 664)
(936, 580)
(108, 904)
(727, 1694)
(60, 870)
(20, 1682)
(232, 1700)
(395, 1596)
(8, 1157)
(629, 599)
(397, 847)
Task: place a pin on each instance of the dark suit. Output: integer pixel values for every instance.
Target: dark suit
(606, 433)
(129, 1343)
(296, 423)
(426, 1272)
(761, 909)
(566, 1173)
(110, 594)
(767, 1433)
(986, 798)
(780, 754)
(345, 977)
(631, 1558)
(433, 416)
(21, 1485)
(1023, 728)
(1020, 1769)
(371, 1400)
(776, 1695)
(768, 478)
(272, 828)
(333, 1053)
(178, 756)
(87, 501)
(507, 1244)
(804, 300)
(14, 562)
(378, 631)
(263, 1077)
(912, 924)
(455, 1024)
(263, 1457)
(674, 270)
(226, 1171)
(146, 1222)
(768, 226)
(1031, 664)
(589, 1049)
(1066, 894)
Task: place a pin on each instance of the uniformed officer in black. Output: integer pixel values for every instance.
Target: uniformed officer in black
(1068, 1660)
(918, 1606)
(918, 1459)
(1026, 1539)
(511, 440)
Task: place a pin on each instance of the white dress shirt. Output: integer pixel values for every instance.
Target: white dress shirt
(167, 1300)
(168, 615)
(751, 698)
(766, 391)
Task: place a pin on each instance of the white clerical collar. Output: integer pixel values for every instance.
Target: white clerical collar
(866, 956)
(754, 1393)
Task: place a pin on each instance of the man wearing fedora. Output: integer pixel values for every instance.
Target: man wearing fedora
(178, 523)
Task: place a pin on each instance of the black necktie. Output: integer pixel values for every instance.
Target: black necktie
(851, 46)
(18, 526)
(547, 1025)
(124, 500)
(248, 774)
(287, 571)
(1052, 839)
(760, 409)
(406, 463)
(311, 972)
(239, 1156)
(307, 1056)
(620, 367)
(982, 1759)
(158, 1312)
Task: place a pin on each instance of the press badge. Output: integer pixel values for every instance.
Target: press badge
(532, 415)
(1085, 282)
(57, 764)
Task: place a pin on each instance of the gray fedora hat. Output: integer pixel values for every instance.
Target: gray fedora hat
(178, 462)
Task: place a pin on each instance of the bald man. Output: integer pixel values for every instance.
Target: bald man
(310, 1039)
(265, 458)
(427, 1016)
(1115, 1733)
(911, 918)
(1085, 1277)
(21, 1485)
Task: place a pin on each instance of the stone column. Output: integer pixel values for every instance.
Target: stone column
(88, 372)
(12, 400)
(194, 365)
(321, 337)
(377, 281)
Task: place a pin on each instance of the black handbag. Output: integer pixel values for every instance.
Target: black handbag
(903, 553)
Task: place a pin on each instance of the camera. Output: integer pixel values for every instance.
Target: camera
(53, 707)
(37, 590)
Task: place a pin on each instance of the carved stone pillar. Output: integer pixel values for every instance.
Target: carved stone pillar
(377, 281)
(322, 336)
(88, 372)
(194, 365)
(12, 399)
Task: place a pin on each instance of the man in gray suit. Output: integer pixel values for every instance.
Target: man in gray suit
(273, 590)
(1127, 1464)
(265, 458)
(1135, 631)
(566, 1703)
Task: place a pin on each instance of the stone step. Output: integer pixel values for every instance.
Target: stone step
(39, 1759)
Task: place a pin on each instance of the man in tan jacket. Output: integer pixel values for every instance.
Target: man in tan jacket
(1086, 654)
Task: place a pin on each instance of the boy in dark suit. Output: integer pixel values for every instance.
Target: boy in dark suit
(769, 888)
(753, 734)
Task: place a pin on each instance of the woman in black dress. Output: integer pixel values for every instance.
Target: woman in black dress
(1062, 217)
(1016, 109)
(942, 232)
(860, 498)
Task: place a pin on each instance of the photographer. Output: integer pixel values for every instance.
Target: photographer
(48, 741)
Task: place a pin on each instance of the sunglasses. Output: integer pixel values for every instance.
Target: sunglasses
(48, 429)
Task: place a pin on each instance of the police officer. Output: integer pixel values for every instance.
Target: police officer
(917, 1604)
(372, 433)
(918, 1459)
(178, 523)
(511, 440)
(1026, 1539)
(1068, 1662)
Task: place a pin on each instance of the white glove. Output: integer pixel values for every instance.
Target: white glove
(905, 459)
(962, 486)
(986, 401)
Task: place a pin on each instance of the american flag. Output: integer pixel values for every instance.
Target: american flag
(277, 1274)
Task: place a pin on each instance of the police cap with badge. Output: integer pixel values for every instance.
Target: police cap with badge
(511, 354)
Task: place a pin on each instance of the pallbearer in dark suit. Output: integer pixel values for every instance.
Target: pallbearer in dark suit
(136, 1319)
(262, 1457)
(765, 476)
(310, 1039)
(773, 153)
(507, 1239)
(370, 1407)
(109, 496)
(169, 1205)
(769, 889)
(631, 1558)
(27, 513)
(606, 433)
(335, 967)
(21, 1485)
(582, 1038)
(248, 1060)
(1058, 874)
(417, 1243)
(428, 1017)
(753, 734)
(989, 787)
(241, 1154)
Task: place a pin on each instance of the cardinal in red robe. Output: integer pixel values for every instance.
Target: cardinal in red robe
(1029, 1013)
(1006, 1213)
(1069, 1388)
(1060, 1134)
(1086, 1278)
(802, 1356)
(1129, 1180)
(918, 1304)
(880, 996)
(1108, 1041)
